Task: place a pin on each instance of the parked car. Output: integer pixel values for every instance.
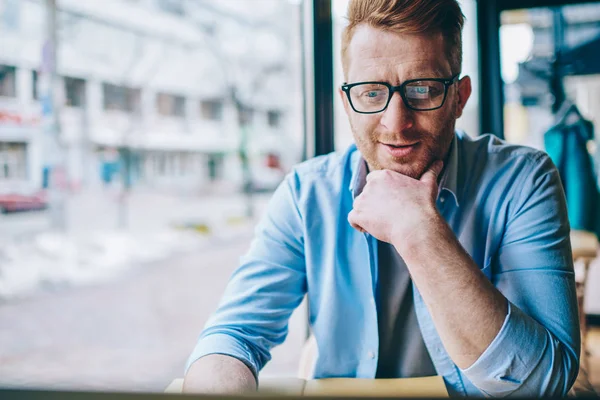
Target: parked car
(268, 174)
(21, 196)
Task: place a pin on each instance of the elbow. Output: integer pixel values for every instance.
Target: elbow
(232, 343)
(552, 376)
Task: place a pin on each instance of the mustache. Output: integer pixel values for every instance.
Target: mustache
(412, 135)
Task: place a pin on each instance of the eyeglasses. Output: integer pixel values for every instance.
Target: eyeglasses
(418, 94)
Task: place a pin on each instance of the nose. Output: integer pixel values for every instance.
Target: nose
(397, 117)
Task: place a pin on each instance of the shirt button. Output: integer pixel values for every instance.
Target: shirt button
(442, 199)
(371, 355)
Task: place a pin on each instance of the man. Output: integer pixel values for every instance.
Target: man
(422, 251)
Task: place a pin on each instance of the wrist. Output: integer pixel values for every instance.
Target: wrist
(421, 235)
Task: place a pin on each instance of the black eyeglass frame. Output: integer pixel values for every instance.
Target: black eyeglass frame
(401, 90)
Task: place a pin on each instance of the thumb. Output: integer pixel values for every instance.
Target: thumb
(431, 175)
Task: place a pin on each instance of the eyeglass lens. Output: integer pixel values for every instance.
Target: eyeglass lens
(420, 95)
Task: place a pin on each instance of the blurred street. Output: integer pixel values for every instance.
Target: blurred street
(132, 334)
(103, 239)
(152, 119)
(99, 209)
(134, 330)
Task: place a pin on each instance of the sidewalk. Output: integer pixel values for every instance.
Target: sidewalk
(133, 333)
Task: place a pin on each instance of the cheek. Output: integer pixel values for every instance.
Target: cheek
(435, 124)
(363, 125)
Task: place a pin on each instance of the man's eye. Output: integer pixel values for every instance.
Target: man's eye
(373, 93)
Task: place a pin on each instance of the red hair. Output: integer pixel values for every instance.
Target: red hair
(412, 17)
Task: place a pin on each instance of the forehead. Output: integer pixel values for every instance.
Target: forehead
(374, 54)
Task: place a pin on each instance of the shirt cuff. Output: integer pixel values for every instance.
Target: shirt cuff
(222, 343)
(511, 357)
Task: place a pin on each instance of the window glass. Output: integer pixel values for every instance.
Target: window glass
(74, 92)
(175, 7)
(211, 110)
(245, 115)
(549, 59)
(35, 79)
(140, 200)
(120, 98)
(8, 81)
(274, 118)
(12, 163)
(170, 105)
(529, 59)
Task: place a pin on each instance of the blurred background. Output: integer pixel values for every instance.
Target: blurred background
(140, 141)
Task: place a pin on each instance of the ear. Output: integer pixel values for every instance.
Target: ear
(464, 92)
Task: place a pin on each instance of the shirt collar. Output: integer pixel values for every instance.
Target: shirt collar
(359, 174)
(448, 182)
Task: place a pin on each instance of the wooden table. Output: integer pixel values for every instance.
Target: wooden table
(430, 387)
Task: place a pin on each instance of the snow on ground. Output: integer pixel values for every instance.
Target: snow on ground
(51, 259)
(94, 249)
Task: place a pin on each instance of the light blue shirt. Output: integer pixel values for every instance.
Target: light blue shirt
(506, 206)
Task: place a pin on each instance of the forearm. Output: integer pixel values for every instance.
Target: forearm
(467, 310)
(219, 374)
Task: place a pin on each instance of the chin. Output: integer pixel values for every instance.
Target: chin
(412, 170)
(413, 167)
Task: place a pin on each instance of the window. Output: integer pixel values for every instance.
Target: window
(10, 15)
(120, 98)
(170, 105)
(528, 51)
(211, 110)
(13, 161)
(171, 6)
(245, 116)
(35, 79)
(274, 118)
(8, 81)
(215, 166)
(74, 92)
(157, 207)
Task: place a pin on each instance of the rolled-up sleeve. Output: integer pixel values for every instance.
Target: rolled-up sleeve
(536, 352)
(262, 293)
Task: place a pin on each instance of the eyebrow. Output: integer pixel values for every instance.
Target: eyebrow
(430, 73)
(433, 73)
(398, 83)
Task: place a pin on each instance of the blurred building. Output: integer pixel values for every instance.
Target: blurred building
(174, 89)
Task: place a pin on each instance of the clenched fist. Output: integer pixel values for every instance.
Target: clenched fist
(392, 206)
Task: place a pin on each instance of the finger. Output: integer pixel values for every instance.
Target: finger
(373, 174)
(370, 176)
(358, 228)
(431, 175)
(352, 219)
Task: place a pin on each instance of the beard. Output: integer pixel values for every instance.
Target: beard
(432, 146)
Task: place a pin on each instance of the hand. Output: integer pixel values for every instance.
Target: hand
(393, 206)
